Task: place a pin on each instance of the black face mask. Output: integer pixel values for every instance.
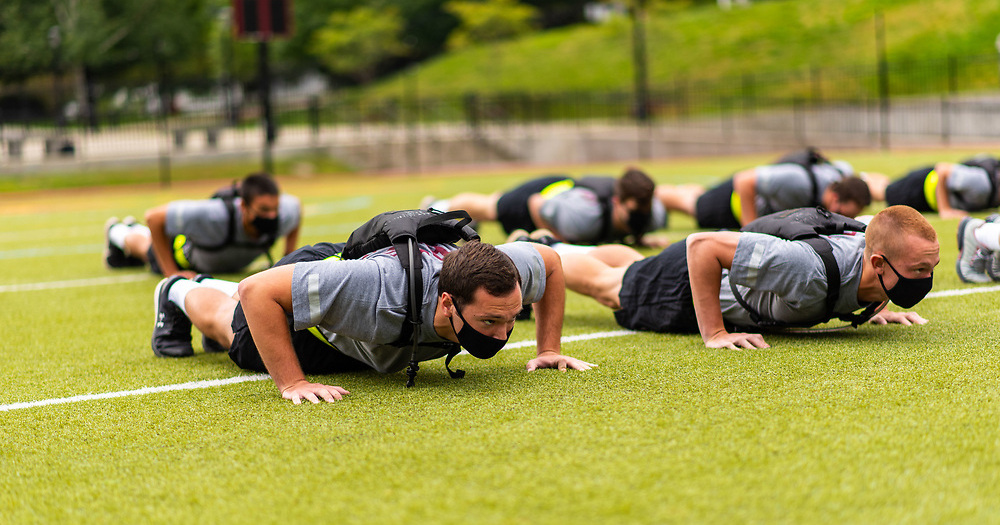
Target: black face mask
(265, 226)
(476, 343)
(638, 222)
(907, 292)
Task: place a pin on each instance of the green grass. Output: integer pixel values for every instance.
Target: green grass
(150, 172)
(878, 425)
(706, 43)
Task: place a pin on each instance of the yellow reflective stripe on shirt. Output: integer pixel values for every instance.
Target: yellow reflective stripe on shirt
(735, 206)
(930, 189)
(319, 335)
(179, 256)
(556, 188)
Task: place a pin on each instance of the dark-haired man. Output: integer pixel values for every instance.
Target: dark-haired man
(762, 190)
(588, 210)
(315, 313)
(687, 287)
(217, 235)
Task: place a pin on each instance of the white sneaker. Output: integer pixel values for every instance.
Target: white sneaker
(971, 263)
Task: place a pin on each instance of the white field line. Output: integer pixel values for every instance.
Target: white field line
(964, 291)
(75, 283)
(138, 392)
(195, 385)
(259, 377)
(48, 251)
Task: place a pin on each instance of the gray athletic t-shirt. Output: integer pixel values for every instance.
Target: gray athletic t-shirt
(578, 217)
(786, 186)
(969, 188)
(206, 222)
(786, 280)
(360, 305)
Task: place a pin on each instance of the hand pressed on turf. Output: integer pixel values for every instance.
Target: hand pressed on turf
(312, 392)
(562, 362)
(903, 318)
(736, 341)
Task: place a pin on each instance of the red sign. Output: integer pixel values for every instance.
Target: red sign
(262, 19)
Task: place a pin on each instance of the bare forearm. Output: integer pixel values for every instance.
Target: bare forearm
(266, 305)
(162, 250)
(292, 240)
(705, 287)
(707, 255)
(745, 186)
(535, 203)
(549, 311)
(941, 190)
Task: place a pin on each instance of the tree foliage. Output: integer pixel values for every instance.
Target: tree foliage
(489, 21)
(355, 42)
(110, 35)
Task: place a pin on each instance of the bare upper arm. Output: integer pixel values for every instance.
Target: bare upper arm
(273, 284)
(706, 247)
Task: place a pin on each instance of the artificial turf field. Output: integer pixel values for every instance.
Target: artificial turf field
(876, 425)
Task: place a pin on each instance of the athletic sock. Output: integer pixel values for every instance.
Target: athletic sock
(227, 287)
(441, 205)
(562, 248)
(140, 228)
(117, 233)
(179, 290)
(988, 235)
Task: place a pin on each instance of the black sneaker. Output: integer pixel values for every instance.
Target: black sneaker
(211, 346)
(171, 328)
(524, 314)
(114, 257)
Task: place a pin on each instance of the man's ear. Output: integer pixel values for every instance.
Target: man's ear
(877, 261)
(446, 300)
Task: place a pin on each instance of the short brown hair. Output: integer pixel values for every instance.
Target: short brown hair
(852, 189)
(887, 230)
(477, 265)
(635, 184)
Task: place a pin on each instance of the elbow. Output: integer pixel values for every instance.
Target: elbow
(248, 288)
(696, 243)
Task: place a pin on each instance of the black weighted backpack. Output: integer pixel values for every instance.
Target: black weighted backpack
(808, 158)
(402, 230)
(809, 225)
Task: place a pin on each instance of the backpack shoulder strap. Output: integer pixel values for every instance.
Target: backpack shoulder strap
(230, 203)
(808, 159)
(822, 248)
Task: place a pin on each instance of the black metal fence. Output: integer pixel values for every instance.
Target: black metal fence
(935, 101)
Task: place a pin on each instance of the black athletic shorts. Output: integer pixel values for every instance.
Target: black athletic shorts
(656, 294)
(713, 210)
(909, 190)
(512, 208)
(315, 354)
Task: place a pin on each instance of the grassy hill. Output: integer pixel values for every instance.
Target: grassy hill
(772, 38)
